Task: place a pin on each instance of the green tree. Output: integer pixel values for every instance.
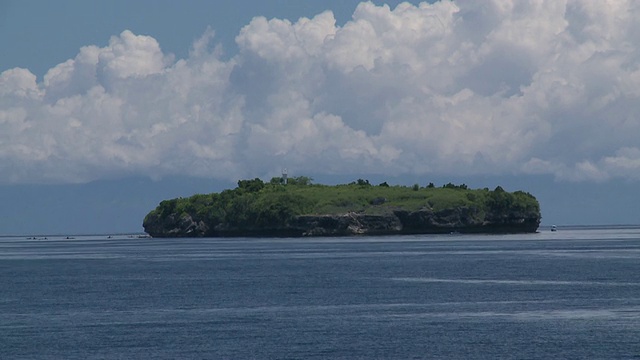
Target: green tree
(450, 186)
(254, 185)
(300, 180)
(278, 180)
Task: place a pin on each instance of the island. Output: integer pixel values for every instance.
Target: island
(297, 207)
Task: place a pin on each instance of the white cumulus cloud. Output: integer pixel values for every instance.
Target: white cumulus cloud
(465, 87)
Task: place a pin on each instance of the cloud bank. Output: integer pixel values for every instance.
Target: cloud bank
(464, 88)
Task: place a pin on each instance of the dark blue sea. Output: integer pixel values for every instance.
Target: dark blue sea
(570, 294)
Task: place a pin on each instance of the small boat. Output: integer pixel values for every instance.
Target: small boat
(554, 228)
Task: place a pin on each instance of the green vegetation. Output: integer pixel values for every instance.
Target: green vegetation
(255, 204)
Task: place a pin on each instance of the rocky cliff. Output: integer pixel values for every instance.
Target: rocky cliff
(460, 220)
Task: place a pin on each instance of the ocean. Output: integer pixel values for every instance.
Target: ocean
(570, 294)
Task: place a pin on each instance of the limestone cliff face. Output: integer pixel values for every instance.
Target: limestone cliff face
(346, 224)
(463, 220)
(468, 220)
(425, 221)
(175, 226)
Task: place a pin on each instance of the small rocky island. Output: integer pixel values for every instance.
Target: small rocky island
(296, 207)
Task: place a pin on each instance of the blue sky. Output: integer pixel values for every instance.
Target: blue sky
(99, 97)
(39, 34)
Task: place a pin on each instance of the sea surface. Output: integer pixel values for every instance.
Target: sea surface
(570, 294)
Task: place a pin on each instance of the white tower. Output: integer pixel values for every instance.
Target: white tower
(284, 176)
